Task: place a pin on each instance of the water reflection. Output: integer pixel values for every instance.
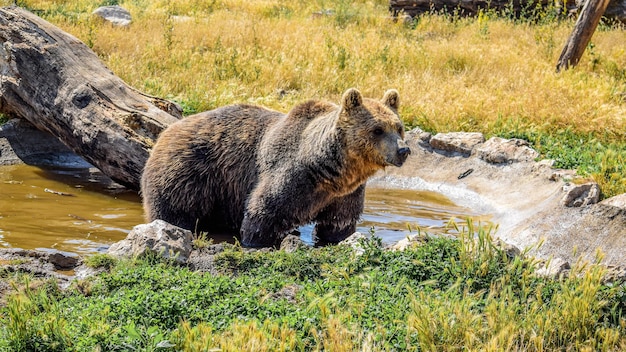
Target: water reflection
(82, 211)
(396, 213)
(74, 210)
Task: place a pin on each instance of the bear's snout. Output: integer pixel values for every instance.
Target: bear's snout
(396, 152)
(404, 152)
(402, 155)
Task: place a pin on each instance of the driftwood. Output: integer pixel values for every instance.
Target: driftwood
(581, 35)
(57, 83)
(615, 10)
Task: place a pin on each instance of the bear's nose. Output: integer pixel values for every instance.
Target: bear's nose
(404, 152)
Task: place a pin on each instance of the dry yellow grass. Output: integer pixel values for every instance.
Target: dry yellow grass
(456, 75)
(486, 74)
(463, 74)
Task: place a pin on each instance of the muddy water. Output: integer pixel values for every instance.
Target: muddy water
(395, 213)
(79, 210)
(74, 210)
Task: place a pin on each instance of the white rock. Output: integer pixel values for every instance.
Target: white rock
(500, 151)
(457, 142)
(581, 195)
(157, 237)
(553, 268)
(116, 15)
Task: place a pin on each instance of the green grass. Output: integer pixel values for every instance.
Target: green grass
(601, 156)
(100, 261)
(445, 294)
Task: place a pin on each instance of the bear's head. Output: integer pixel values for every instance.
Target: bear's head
(374, 132)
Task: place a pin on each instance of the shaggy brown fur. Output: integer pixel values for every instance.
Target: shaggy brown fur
(261, 173)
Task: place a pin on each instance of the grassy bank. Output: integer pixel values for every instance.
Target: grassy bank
(443, 295)
(489, 74)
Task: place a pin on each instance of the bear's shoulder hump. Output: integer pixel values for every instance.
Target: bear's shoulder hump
(311, 109)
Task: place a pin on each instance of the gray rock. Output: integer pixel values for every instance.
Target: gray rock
(407, 19)
(157, 237)
(581, 195)
(116, 15)
(40, 264)
(410, 241)
(323, 13)
(562, 175)
(291, 244)
(422, 138)
(354, 241)
(553, 268)
(614, 274)
(203, 259)
(52, 259)
(83, 272)
(457, 142)
(4, 287)
(504, 151)
(288, 293)
(62, 261)
(546, 163)
(510, 250)
(618, 201)
(182, 19)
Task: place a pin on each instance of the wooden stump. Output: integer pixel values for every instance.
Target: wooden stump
(60, 85)
(581, 35)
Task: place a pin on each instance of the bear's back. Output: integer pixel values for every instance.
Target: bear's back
(214, 153)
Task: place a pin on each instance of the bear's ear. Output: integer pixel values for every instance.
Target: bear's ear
(351, 99)
(392, 99)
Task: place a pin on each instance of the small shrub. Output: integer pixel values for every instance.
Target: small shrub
(609, 171)
(202, 240)
(100, 261)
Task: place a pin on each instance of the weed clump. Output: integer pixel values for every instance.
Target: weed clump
(100, 261)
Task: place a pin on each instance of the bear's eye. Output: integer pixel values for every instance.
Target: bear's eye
(400, 129)
(378, 131)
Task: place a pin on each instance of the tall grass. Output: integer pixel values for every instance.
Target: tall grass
(444, 295)
(489, 74)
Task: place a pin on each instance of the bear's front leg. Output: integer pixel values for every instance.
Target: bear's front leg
(275, 208)
(338, 220)
(259, 230)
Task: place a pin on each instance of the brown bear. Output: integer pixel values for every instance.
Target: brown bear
(261, 173)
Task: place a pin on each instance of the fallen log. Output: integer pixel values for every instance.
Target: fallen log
(414, 8)
(615, 9)
(58, 84)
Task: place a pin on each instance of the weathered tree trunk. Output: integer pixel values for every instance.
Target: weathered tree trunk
(581, 35)
(465, 7)
(58, 84)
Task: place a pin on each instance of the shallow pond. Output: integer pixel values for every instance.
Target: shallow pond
(79, 210)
